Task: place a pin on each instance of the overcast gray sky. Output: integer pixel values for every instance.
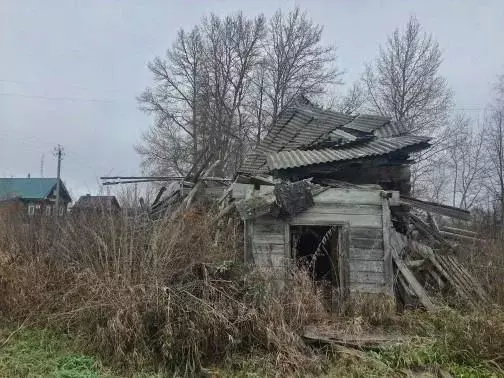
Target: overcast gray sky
(70, 70)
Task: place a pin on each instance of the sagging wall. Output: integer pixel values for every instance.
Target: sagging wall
(364, 213)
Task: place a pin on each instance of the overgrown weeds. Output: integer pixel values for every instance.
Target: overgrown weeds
(166, 295)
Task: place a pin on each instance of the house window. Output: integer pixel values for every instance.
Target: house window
(37, 208)
(31, 210)
(48, 210)
(61, 211)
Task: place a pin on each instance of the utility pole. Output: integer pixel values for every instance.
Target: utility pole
(42, 166)
(58, 151)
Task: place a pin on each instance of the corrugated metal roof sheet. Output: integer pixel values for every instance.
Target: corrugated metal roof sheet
(391, 129)
(367, 123)
(32, 188)
(305, 126)
(376, 147)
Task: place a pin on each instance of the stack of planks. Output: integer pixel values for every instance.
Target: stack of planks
(418, 263)
(453, 274)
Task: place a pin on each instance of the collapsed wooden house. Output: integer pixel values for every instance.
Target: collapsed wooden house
(332, 191)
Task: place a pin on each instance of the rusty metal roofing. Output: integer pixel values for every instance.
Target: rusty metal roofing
(305, 126)
(376, 147)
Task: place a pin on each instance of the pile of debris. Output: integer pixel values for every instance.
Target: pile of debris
(366, 218)
(426, 256)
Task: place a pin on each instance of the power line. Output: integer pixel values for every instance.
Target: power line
(67, 99)
(22, 82)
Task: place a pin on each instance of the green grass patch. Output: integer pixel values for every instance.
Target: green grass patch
(42, 353)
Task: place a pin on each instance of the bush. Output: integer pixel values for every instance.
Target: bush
(166, 295)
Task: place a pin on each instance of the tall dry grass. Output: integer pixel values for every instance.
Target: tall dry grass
(166, 295)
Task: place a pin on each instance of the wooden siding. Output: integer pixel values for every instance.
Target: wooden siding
(361, 211)
(268, 242)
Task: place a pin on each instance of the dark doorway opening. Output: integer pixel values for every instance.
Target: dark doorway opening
(316, 249)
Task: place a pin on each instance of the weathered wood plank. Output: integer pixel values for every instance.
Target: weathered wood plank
(366, 232)
(368, 288)
(367, 243)
(460, 231)
(366, 266)
(269, 228)
(349, 196)
(387, 254)
(268, 238)
(335, 219)
(273, 249)
(344, 209)
(412, 281)
(465, 238)
(270, 260)
(366, 277)
(247, 242)
(372, 254)
(436, 208)
(343, 260)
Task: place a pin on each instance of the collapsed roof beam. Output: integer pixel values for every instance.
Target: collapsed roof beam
(437, 208)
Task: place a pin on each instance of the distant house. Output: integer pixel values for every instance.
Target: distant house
(32, 196)
(89, 203)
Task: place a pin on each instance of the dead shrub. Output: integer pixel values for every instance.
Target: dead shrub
(376, 309)
(165, 295)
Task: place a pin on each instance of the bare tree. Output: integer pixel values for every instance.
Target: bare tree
(404, 80)
(350, 103)
(404, 83)
(495, 158)
(221, 84)
(171, 145)
(199, 95)
(466, 163)
(296, 62)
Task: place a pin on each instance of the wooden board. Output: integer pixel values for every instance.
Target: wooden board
(344, 209)
(436, 208)
(367, 243)
(366, 232)
(269, 260)
(263, 238)
(365, 254)
(366, 277)
(368, 288)
(387, 248)
(274, 249)
(366, 266)
(269, 228)
(371, 221)
(412, 282)
(349, 196)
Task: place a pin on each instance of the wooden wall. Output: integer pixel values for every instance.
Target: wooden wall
(362, 211)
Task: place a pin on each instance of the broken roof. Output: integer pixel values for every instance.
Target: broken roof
(305, 134)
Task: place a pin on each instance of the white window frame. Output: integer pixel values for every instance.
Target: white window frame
(61, 211)
(31, 209)
(48, 210)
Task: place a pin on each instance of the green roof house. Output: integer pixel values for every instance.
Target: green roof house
(33, 195)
